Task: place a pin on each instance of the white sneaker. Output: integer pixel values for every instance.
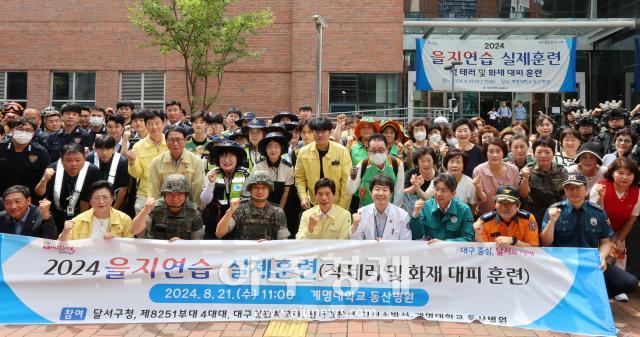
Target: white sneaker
(622, 298)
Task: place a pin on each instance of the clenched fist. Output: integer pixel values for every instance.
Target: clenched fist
(417, 208)
(554, 214)
(211, 175)
(234, 203)
(44, 206)
(313, 221)
(148, 205)
(68, 225)
(48, 174)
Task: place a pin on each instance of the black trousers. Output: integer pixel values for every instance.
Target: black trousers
(619, 281)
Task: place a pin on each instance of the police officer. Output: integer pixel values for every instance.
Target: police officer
(575, 222)
(174, 217)
(507, 224)
(70, 132)
(51, 122)
(256, 219)
(22, 160)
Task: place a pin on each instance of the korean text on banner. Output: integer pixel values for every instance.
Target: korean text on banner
(143, 281)
(497, 65)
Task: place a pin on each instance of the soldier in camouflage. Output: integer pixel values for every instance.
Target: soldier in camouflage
(257, 218)
(174, 217)
(615, 118)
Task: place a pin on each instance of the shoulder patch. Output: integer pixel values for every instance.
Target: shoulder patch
(523, 214)
(286, 162)
(594, 205)
(488, 216)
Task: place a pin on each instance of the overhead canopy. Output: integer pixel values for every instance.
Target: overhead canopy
(589, 30)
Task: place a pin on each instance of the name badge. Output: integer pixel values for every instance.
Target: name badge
(70, 210)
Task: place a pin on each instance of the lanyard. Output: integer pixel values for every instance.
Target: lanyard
(75, 196)
(112, 169)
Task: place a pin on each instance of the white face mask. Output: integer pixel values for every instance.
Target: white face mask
(452, 142)
(435, 138)
(22, 137)
(96, 121)
(378, 158)
(420, 136)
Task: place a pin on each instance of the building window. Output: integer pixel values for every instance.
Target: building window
(145, 90)
(352, 92)
(73, 87)
(13, 87)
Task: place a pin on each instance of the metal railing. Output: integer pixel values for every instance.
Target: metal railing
(401, 115)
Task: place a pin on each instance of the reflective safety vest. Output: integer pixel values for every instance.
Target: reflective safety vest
(369, 170)
(220, 192)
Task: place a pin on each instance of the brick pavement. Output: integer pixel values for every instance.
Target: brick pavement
(626, 315)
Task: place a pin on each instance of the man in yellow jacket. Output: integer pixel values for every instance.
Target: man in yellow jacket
(322, 159)
(143, 153)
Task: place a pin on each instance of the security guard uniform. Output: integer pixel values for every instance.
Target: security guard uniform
(22, 168)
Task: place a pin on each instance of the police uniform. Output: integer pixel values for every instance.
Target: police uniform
(583, 227)
(57, 140)
(22, 168)
(252, 223)
(523, 227)
(166, 225)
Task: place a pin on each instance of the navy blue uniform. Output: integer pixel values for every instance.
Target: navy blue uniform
(57, 140)
(584, 228)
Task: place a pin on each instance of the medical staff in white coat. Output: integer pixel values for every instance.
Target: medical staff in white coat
(382, 219)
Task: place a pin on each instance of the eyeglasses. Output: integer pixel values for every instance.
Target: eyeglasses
(23, 130)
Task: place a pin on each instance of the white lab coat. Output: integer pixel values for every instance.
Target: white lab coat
(397, 227)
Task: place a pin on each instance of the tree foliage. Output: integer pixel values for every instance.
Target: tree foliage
(205, 37)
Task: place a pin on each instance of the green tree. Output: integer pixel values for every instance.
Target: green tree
(206, 38)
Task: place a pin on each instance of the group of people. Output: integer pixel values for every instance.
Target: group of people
(89, 172)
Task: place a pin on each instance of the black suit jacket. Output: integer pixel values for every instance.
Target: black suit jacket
(35, 225)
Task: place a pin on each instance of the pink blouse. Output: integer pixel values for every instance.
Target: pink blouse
(490, 183)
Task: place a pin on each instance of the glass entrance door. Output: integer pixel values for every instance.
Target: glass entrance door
(490, 100)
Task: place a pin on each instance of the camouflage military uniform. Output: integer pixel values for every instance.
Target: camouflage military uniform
(545, 188)
(165, 225)
(605, 140)
(253, 223)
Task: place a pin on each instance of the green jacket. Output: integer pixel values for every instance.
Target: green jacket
(454, 225)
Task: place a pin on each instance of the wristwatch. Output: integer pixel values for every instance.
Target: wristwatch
(514, 240)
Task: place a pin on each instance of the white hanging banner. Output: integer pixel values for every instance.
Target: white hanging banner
(497, 65)
(144, 281)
